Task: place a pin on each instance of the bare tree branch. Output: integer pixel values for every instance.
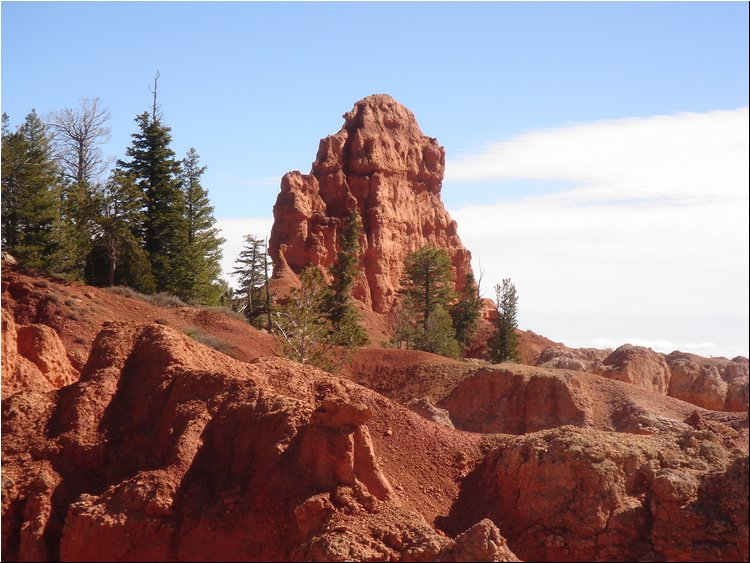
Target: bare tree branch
(79, 134)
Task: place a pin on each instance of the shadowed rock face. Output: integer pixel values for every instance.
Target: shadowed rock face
(382, 165)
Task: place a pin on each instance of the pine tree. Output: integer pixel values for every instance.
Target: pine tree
(426, 293)
(30, 195)
(465, 313)
(199, 264)
(344, 317)
(503, 344)
(78, 217)
(251, 269)
(440, 336)
(156, 171)
(117, 257)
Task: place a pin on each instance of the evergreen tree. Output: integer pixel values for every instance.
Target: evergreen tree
(117, 257)
(153, 165)
(251, 269)
(199, 264)
(465, 313)
(426, 293)
(78, 217)
(30, 195)
(503, 344)
(344, 317)
(440, 336)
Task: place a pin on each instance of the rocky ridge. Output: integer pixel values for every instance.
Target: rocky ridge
(712, 383)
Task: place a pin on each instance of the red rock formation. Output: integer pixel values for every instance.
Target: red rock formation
(638, 365)
(497, 400)
(167, 450)
(77, 313)
(481, 542)
(381, 164)
(42, 346)
(336, 448)
(34, 358)
(712, 383)
(572, 494)
(515, 399)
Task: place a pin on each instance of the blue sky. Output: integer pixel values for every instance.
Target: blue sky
(254, 86)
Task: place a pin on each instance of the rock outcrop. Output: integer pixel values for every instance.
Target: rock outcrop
(712, 383)
(382, 165)
(516, 399)
(424, 407)
(167, 450)
(638, 365)
(572, 494)
(34, 358)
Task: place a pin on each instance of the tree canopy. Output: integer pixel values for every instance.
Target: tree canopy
(150, 225)
(465, 312)
(199, 263)
(30, 194)
(305, 331)
(252, 297)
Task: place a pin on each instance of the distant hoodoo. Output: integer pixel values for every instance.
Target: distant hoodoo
(382, 165)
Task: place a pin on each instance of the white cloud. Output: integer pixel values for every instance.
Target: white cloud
(689, 156)
(655, 222)
(233, 230)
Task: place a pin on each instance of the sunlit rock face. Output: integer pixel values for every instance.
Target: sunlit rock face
(382, 165)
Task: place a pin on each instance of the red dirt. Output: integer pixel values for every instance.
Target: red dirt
(77, 312)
